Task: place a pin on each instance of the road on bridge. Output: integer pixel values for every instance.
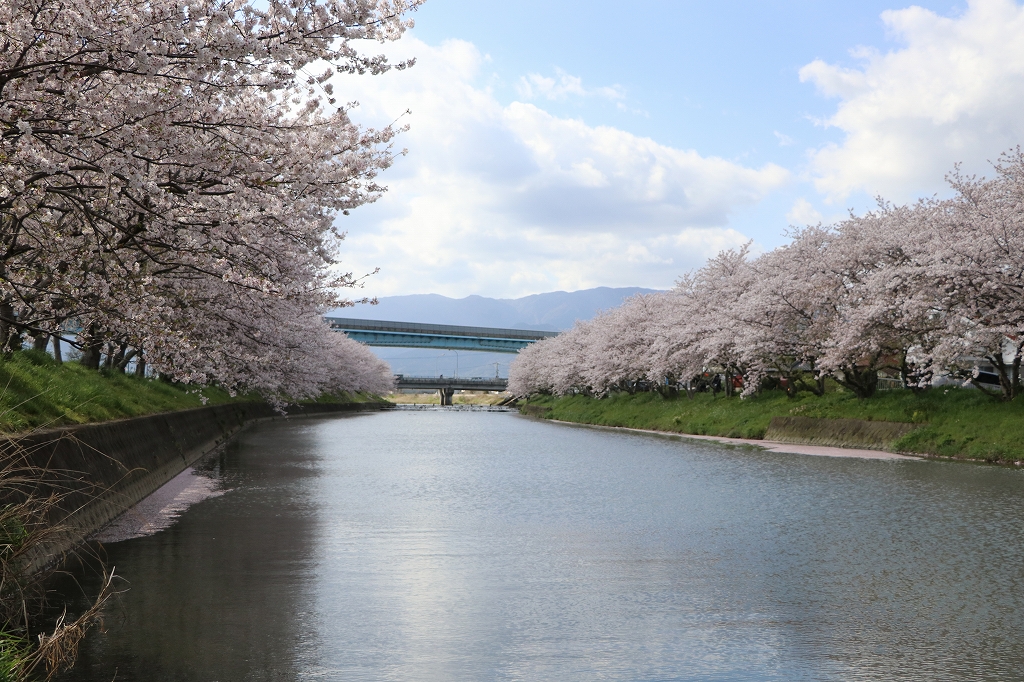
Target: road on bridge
(443, 336)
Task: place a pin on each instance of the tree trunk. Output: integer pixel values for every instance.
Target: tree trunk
(40, 341)
(10, 337)
(56, 350)
(863, 382)
(800, 382)
(114, 361)
(1016, 375)
(92, 349)
(1009, 375)
(668, 388)
(91, 355)
(121, 364)
(140, 367)
(791, 386)
(108, 358)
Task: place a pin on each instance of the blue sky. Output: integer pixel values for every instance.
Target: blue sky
(565, 145)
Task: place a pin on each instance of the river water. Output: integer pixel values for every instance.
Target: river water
(434, 545)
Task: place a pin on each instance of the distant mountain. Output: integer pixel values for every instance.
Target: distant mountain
(554, 311)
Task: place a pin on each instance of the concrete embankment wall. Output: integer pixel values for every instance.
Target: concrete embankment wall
(848, 433)
(100, 470)
(839, 433)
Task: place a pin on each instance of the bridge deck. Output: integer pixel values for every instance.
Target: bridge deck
(418, 335)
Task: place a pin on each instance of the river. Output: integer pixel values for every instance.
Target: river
(435, 545)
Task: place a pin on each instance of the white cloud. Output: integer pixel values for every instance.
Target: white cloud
(784, 140)
(953, 93)
(803, 213)
(534, 86)
(589, 178)
(507, 200)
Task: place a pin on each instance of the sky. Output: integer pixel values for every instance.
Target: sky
(565, 145)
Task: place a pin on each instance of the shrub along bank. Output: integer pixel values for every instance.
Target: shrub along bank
(952, 422)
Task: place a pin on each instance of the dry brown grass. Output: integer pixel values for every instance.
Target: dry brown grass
(26, 524)
(58, 651)
(30, 520)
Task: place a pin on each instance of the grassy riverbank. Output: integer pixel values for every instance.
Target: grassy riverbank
(37, 392)
(953, 422)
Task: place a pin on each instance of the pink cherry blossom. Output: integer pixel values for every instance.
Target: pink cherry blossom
(925, 292)
(170, 177)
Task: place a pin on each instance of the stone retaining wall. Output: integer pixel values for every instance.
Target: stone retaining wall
(849, 433)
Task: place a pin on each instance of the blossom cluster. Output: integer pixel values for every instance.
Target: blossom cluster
(170, 176)
(923, 293)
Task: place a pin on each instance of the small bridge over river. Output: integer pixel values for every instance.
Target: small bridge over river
(440, 336)
(453, 383)
(446, 386)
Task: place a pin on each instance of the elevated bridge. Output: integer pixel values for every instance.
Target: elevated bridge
(441, 336)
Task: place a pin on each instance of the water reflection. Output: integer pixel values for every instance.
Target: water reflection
(222, 594)
(469, 546)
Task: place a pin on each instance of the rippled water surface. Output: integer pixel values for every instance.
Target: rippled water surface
(479, 546)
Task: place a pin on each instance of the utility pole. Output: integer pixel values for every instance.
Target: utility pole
(496, 370)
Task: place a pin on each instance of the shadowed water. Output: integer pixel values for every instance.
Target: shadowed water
(481, 546)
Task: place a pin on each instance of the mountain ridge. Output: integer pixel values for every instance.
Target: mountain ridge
(550, 311)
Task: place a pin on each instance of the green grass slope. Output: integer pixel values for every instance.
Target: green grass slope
(37, 392)
(953, 422)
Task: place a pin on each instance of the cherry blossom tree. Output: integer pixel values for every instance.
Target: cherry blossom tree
(163, 158)
(618, 339)
(782, 319)
(977, 261)
(693, 337)
(888, 309)
(929, 290)
(674, 353)
(554, 366)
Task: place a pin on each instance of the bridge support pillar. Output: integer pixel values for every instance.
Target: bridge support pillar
(446, 395)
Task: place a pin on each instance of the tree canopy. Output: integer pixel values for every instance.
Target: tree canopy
(933, 289)
(170, 176)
